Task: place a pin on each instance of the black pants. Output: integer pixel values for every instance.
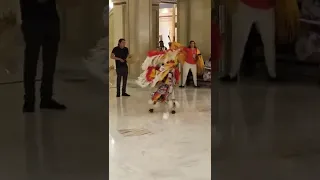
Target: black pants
(45, 36)
(122, 72)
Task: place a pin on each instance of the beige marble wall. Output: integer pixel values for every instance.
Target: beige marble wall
(82, 25)
(155, 25)
(183, 21)
(9, 5)
(138, 22)
(112, 41)
(194, 23)
(11, 44)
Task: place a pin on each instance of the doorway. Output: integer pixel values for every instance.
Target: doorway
(167, 23)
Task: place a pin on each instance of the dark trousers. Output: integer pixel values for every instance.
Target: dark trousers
(122, 72)
(45, 36)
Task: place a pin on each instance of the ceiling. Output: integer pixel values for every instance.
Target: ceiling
(168, 1)
(165, 5)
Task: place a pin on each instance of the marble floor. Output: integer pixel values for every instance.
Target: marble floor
(49, 145)
(174, 148)
(258, 131)
(266, 131)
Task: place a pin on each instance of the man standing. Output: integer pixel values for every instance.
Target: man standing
(120, 54)
(162, 47)
(41, 30)
(249, 12)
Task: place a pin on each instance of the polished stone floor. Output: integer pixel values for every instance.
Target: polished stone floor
(266, 131)
(174, 148)
(49, 145)
(259, 131)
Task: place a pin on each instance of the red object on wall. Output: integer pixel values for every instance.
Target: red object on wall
(216, 43)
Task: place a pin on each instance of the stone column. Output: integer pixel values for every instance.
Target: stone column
(138, 22)
(173, 24)
(117, 21)
(194, 23)
(144, 34)
(83, 22)
(155, 24)
(183, 21)
(200, 26)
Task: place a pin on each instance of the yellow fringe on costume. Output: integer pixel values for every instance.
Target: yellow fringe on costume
(182, 58)
(287, 20)
(152, 74)
(175, 45)
(200, 64)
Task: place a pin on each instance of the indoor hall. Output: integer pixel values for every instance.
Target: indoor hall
(145, 145)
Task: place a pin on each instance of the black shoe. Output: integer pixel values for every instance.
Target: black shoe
(150, 110)
(173, 112)
(228, 78)
(181, 86)
(125, 94)
(52, 104)
(28, 107)
(118, 95)
(196, 86)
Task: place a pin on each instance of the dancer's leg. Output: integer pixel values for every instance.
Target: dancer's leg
(266, 25)
(180, 69)
(241, 25)
(173, 100)
(193, 68)
(118, 84)
(186, 68)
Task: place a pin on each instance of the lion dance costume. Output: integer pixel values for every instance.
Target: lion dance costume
(161, 72)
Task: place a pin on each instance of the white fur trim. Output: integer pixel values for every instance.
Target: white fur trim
(150, 102)
(177, 104)
(170, 104)
(157, 105)
(165, 115)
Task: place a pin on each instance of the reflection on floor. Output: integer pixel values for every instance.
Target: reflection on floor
(266, 132)
(51, 145)
(177, 148)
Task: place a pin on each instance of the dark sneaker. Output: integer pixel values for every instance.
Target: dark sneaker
(228, 78)
(125, 94)
(118, 95)
(181, 86)
(28, 107)
(52, 104)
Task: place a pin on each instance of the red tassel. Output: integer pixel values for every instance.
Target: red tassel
(177, 75)
(149, 76)
(155, 53)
